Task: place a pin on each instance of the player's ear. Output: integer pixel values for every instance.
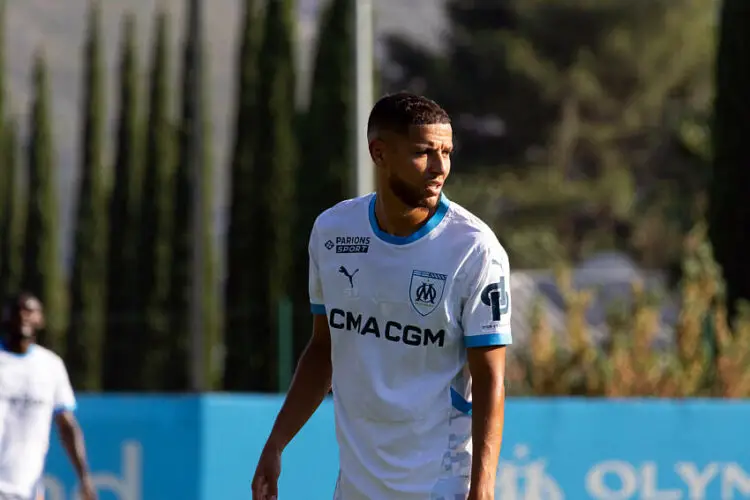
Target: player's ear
(377, 151)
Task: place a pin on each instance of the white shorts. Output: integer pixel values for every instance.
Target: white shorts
(456, 488)
(14, 496)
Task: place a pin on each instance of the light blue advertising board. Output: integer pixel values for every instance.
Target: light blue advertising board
(205, 448)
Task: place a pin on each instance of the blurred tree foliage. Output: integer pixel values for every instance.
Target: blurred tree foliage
(123, 313)
(12, 200)
(325, 164)
(41, 264)
(709, 355)
(156, 227)
(238, 285)
(88, 287)
(582, 126)
(579, 122)
(729, 213)
(251, 362)
(192, 173)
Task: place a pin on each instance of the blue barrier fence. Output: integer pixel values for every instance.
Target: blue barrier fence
(205, 448)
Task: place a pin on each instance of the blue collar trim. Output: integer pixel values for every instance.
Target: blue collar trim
(431, 224)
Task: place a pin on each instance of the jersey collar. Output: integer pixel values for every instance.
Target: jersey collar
(19, 355)
(431, 224)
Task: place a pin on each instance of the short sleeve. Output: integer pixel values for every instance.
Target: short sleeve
(65, 399)
(487, 306)
(317, 305)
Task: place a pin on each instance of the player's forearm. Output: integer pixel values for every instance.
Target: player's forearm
(310, 385)
(72, 439)
(488, 414)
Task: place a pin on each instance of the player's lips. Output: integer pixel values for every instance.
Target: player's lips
(434, 187)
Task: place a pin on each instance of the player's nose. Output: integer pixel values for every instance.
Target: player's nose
(439, 165)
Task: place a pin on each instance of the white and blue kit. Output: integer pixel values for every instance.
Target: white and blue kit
(33, 387)
(402, 311)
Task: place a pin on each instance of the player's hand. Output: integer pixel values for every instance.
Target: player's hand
(88, 492)
(265, 482)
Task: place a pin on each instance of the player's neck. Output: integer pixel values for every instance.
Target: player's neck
(398, 219)
(17, 345)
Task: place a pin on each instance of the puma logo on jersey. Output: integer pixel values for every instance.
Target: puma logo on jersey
(345, 272)
(392, 331)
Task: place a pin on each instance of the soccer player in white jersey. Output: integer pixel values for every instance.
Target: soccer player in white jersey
(34, 390)
(411, 316)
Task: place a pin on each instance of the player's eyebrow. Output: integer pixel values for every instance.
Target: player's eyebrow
(433, 145)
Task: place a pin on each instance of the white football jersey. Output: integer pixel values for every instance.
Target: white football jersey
(402, 311)
(33, 386)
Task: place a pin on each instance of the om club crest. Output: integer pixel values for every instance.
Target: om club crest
(426, 291)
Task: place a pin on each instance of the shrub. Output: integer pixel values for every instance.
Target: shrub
(708, 356)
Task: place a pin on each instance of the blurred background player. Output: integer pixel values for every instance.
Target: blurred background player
(409, 327)
(34, 390)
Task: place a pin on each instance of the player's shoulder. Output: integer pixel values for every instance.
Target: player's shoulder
(466, 226)
(346, 213)
(47, 356)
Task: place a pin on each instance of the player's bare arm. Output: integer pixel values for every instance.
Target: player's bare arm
(487, 366)
(310, 385)
(71, 436)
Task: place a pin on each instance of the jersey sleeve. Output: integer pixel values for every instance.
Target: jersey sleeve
(317, 304)
(64, 399)
(487, 306)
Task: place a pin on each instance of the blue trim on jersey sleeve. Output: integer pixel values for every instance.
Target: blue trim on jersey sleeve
(318, 308)
(488, 339)
(63, 409)
(431, 224)
(459, 402)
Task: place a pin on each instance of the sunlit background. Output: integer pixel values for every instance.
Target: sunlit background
(584, 139)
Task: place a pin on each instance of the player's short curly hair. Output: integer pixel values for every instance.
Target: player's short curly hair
(397, 112)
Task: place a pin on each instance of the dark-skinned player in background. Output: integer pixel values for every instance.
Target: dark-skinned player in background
(35, 390)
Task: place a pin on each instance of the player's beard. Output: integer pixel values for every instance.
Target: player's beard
(412, 197)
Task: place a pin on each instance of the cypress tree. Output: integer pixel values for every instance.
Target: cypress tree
(212, 317)
(156, 219)
(327, 164)
(124, 322)
(195, 154)
(324, 176)
(272, 209)
(11, 222)
(238, 295)
(9, 188)
(191, 159)
(2, 67)
(42, 273)
(729, 214)
(87, 283)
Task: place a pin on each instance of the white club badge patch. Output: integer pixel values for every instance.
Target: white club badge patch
(426, 291)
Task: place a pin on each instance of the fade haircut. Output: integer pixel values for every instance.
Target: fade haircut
(397, 112)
